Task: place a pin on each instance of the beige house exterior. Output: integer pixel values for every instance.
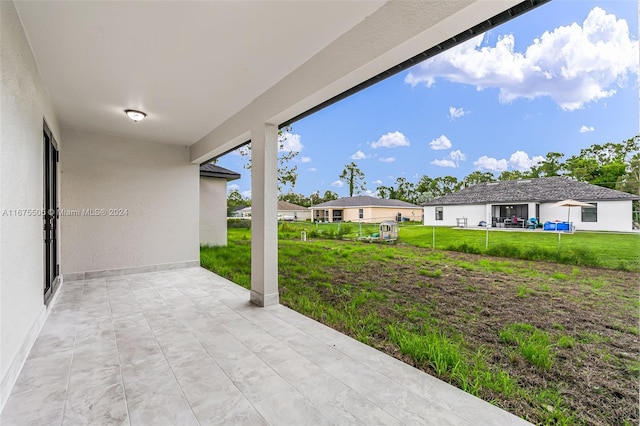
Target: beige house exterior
(365, 209)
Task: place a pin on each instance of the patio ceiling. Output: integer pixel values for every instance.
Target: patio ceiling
(205, 72)
(188, 65)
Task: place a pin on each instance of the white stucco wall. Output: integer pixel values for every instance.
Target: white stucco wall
(24, 102)
(474, 214)
(299, 215)
(153, 183)
(213, 211)
(612, 216)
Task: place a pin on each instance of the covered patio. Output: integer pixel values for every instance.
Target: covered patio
(94, 197)
(185, 347)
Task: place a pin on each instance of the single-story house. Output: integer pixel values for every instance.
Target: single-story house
(497, 202)
(213, 203)
(294, 212)
(286, 211)
(240, 212)
(365, 209)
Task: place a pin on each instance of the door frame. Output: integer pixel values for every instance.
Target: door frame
(51, 253)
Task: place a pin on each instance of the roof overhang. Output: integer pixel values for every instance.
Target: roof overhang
(206, 73)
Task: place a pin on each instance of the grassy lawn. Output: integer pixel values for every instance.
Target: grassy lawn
(599, 249)
(552, 343)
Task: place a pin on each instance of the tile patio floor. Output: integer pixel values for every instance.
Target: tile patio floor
(185, 347)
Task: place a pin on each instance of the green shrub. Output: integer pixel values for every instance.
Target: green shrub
(239, 223)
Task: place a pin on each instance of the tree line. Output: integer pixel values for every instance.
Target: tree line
(610, 165)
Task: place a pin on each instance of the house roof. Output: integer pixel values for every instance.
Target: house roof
(364, 201)
(548, 189)
(211, 170)
(285, 205)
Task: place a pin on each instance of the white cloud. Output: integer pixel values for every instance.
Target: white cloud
(453, 161)
(337, 184)
(387, 159)
(377, 182)
(585, 129)
(370, 193)
(290, 142)
(457, 156)
(520, 160)
(439, 143)
(246, 194)
(456, 112)
(359, 155)
(305, 159)
(444, 163)
(491, 164)
(391, 140)
(572, 64)
(233, 187)
(313, 169)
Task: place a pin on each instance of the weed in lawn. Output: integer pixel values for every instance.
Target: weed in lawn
(429, 346)
(523, 290)
(597, 283)
(634, 368)
(432, 274)
(496, 266)
(575, 272)
(588, 338)
(554, 411)
(557, 326)
(566, 342)
(623, 328)
(534, 344)
(466, 265)
(559, 276)
(544, 287)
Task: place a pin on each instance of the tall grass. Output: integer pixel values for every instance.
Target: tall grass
(534, 344)
(450, 357)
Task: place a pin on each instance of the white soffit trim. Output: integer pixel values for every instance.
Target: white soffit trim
(394, 33)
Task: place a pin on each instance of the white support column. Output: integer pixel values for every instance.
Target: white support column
(264, 215)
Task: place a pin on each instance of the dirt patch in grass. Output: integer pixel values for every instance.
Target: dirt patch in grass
(587, 319)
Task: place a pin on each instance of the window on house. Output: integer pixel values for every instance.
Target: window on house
(361, 213)
(590, 214)
(439, 213)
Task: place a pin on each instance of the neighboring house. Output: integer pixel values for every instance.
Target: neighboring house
(293, 212)
(213, 203)
(239, 212)
(243, 213)
(497, 202)
(365, 209)
(286, 211)
(125, 195)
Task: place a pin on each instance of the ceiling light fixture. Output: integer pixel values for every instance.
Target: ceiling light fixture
(135, 115)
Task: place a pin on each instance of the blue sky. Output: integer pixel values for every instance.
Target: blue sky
(559, 78)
